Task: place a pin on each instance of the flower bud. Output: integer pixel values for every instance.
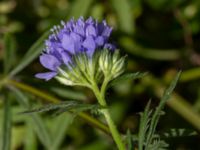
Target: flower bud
(116, 56)
(118, 67)
(105, 62)
(111, 64)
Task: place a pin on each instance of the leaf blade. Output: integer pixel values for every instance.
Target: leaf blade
(6, 143)
(36, 120)
(9, 52)
(60, 128)
(127, 76)
(144, 125)
(31, 54)
(156, 115)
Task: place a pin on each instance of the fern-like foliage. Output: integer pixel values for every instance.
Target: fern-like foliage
(147, 137)
(172, 133)
(59, 108)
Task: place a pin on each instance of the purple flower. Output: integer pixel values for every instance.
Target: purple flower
(71, 38)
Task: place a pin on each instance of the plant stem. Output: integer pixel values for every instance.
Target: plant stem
(113, 129)
(100, 97)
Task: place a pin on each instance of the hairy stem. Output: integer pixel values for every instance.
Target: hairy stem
(100, 97)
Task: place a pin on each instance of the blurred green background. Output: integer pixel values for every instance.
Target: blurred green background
(160, 37)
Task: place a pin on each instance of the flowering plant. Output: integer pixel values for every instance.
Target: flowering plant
(79, 53)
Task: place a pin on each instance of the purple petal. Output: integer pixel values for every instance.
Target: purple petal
(75, 37)
(52, 44)
(106, 32)
(47, 75)
(80, 22)
(65, 57)
(90, 30)
(70, 23)
(89, 44)
(99, 40)
(90, 20)
(56, 53)
(77, 41)
(109, 46)
(79, 30)
(68, 43)
(49, 62)
(100, 27)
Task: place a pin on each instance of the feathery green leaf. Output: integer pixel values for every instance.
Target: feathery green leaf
(127, 76)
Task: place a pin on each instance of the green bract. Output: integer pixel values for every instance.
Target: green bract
(85, 71)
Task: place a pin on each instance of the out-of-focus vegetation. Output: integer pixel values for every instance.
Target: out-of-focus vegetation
(159, 36)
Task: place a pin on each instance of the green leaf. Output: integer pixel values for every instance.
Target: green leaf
(158, 144)
(7, 123)
(49, 107)
(36, 120)
(129, 140)
(179, 133)
(41, 130)
(144, 125)
(31, 54)
(30, 138)
(61, 107)
(156, 115)
(80, 8)
(167, 93)
(9, 52)
(124, 14)
(60, 127)
(127, 76)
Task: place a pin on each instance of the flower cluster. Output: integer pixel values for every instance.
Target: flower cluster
(72, 38)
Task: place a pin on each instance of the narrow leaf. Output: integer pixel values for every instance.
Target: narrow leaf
(60, 127)
(144, 125)
(50, 107)
(129, 140)
(127, 76)
(7, 122)
(158, 111)
(179, 133)
(31, 54)
(30, 138)
(62, 107)
(9, 52)
(41, 130)
(36, 120)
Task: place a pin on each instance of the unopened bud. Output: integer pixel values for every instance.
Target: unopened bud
(118, 67)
